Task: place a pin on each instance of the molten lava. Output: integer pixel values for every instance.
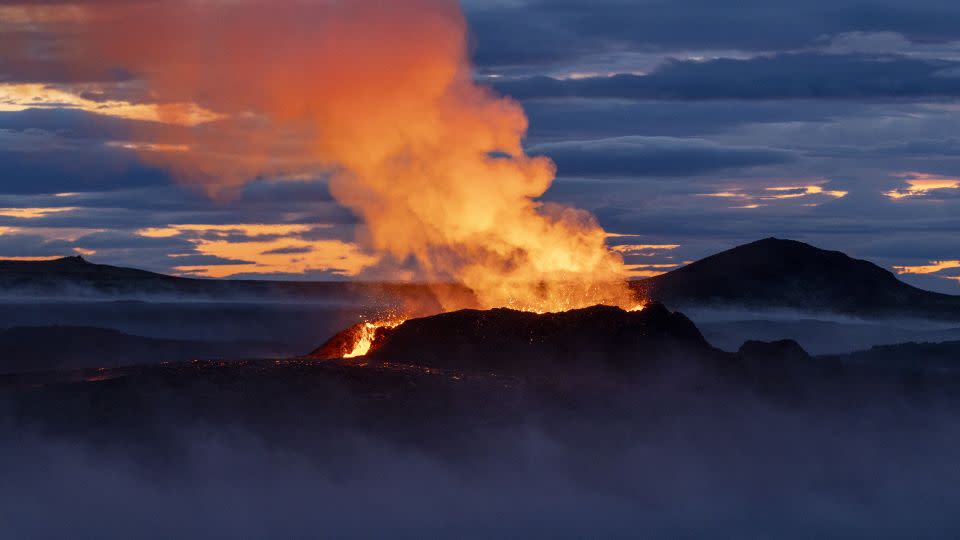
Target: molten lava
(365, 334)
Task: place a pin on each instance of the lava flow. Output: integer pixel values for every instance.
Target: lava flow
(365, 334)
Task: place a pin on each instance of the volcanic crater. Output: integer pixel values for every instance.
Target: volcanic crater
(504, 339)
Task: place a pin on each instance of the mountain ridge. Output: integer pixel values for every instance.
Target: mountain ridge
(778, 273)
(770, 273)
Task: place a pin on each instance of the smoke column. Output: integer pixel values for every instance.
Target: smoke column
(380, 95)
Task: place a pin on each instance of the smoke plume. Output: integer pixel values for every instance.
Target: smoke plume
(380, 96)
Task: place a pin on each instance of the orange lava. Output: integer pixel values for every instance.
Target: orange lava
(366, 335)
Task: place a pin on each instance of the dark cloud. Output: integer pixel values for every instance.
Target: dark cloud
(78, 124)
(562, 118)
(784, 76)
(93, 169)
(288, 251)
(557, 31)
(653, 156)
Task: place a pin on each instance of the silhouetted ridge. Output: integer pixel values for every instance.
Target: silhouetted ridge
(509, 340)
(790, 274)
(39, 348)
(774, 351)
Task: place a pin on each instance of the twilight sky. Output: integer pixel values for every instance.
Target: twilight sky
(687, 126)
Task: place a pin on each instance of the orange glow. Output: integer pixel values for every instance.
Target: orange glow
(631, 249)
(251, 230)
(366, 335)
(650, 270)
(33, 213)
(264, 249)
(757, 199)
(28, 259)
(149, 147)
(280, 256)
(67, 234)
(20, 97)
(932, 268)
(381, 95)
(921, 184)
(803, 191)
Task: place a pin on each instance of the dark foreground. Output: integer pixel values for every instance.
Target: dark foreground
(698, 446)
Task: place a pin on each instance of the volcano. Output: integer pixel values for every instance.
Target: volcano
(507, 340)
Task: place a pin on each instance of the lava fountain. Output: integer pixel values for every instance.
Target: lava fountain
(380, 97)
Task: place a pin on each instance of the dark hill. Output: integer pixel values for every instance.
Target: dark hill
(775, 273)
(517, 341)
(75, 276)
(44, 348)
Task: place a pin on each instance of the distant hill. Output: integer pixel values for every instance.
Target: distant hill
(27, 349)
(918, 357)
(820, 336)
(77, 277)
(770, 273)
(775, 273)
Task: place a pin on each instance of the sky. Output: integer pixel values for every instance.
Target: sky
(685, 126)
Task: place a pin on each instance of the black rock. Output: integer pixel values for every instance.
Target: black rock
(784, 350)
(506, 340)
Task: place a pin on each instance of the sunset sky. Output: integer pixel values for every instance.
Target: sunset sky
(686, 126)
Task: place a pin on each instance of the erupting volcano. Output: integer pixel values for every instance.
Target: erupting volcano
(518, 341)
(380, 99)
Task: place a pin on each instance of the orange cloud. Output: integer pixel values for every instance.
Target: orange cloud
(41, 258)
(251, 230)
(650, 270)
(757, 199)
(33, 213)
(932, 268)
(281, 256)
(922, 184)
(803, 191)
(20, 97)
(635, 249)
(264, 249)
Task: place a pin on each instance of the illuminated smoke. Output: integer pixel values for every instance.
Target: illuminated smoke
(379, 95)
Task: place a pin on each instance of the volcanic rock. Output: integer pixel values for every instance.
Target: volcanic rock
(509, 340)
(784, 350)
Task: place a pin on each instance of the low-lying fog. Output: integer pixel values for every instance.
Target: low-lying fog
(818, 333)
(742, 469)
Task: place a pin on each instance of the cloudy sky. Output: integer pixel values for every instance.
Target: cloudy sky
(686, 126)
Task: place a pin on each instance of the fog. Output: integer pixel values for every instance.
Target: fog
(652, 460)
(817, 332)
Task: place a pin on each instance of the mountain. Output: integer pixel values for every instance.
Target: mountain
(27, 349)
(775, 273)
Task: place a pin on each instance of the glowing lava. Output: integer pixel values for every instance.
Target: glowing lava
(365, 334)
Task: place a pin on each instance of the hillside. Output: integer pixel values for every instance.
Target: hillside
(27, 349)
(775, 273)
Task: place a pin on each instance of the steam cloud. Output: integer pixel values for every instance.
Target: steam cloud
(379, 95)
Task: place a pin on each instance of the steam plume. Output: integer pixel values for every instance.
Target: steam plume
(379, 94)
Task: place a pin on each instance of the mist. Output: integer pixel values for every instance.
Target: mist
(657, 458)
